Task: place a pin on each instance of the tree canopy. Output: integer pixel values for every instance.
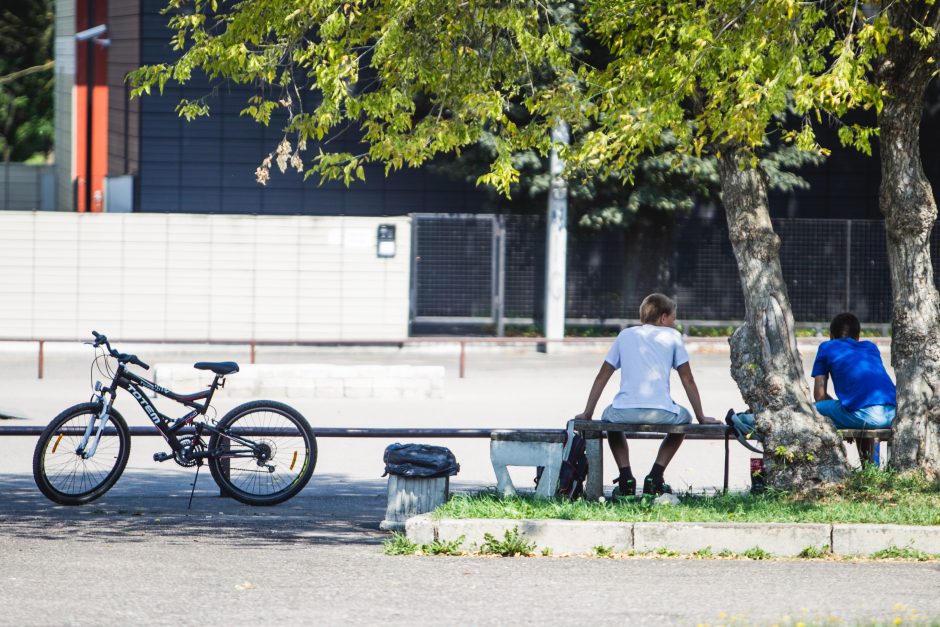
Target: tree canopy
(26, 125)
(422, 77)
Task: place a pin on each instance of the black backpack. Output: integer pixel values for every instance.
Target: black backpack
(574, 468)
(419, 460)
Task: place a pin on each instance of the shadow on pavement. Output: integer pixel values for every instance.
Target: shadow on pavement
(332, 509)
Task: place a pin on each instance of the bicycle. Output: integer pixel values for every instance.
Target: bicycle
(261, 452)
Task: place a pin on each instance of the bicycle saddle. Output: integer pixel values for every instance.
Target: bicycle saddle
(218, 367)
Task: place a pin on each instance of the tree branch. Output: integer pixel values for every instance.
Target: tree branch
(9, 78)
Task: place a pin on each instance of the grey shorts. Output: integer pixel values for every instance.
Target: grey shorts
(645, 416)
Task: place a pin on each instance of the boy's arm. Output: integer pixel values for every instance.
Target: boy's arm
(600, 381)
(820, 388)
(691, 390)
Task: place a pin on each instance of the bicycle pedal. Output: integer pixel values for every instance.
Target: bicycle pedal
(162, 457)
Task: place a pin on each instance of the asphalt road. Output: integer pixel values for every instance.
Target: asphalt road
(140, 556)
(318, 560)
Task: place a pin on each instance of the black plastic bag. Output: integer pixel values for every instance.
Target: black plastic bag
(419, 460)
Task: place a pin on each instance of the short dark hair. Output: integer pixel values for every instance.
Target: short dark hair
(655, 306)
(845, 325)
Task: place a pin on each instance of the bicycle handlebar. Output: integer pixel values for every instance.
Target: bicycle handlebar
(121, 357)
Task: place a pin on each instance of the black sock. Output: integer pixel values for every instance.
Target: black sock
(657, 472)
(625, 475)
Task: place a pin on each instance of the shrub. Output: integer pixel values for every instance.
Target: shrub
(603, 551)
(757, 553)
(513, 543)
(399, 544)
(451, 547)
(814, 552)
(703, 553)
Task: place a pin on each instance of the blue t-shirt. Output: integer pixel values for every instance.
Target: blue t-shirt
(858, 375)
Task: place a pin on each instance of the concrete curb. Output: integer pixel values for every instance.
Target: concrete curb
(868, 539)
(580, 537)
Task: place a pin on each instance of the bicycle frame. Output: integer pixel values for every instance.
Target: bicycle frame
(168, 427)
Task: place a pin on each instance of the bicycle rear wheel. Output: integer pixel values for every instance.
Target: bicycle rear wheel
(65, 476)
(264, 454)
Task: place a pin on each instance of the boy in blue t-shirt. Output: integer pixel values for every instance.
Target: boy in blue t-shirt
(866, 394)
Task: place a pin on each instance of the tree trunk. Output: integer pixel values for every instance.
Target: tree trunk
(910, 211)
(802, 448)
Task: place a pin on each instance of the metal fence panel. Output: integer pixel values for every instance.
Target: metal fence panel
(525, 266)
(829, 266)
(453, 265)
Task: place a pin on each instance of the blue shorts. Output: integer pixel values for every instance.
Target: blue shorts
(871, 417)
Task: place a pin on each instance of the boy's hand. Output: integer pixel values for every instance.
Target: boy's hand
(582, 416)
(707, 420)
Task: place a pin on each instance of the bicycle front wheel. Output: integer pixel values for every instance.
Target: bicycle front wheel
(264, 453)
(63, 473)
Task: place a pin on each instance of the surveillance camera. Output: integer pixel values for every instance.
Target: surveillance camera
(91, 33)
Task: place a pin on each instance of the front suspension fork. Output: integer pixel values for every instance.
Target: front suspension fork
(102, 421)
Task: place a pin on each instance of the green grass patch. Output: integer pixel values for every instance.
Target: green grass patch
(870, 496)
(902, 552)
(399, 544)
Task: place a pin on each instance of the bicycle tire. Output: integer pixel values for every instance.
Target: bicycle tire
(255, 481)
(68, 479)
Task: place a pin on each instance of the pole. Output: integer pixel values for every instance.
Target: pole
(556, 243)
(89, 101)
(500, 276)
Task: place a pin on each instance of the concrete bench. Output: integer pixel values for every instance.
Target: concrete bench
(593, 430)
(527, 448)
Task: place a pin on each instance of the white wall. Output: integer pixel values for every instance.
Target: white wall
(183, 276)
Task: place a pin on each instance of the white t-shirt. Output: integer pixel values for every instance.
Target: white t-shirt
(646, 356)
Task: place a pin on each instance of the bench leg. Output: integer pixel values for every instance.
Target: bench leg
(548, 484)
(594, 485)
(504, 485)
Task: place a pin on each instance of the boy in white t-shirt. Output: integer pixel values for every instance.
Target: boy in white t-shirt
(646, 356)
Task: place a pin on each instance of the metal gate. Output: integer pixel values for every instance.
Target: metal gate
(457, 269)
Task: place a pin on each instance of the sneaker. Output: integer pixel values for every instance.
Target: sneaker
(654, 487)
(624, 492)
